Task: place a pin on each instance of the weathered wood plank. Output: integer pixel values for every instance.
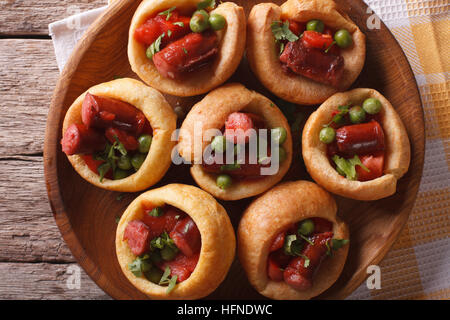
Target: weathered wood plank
(28, 230)
(31, 17)
(39, 281)
(28, 74)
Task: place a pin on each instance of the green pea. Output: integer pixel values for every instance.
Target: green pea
(168, 253)
(124, 162)
(327, 135)
(145, 141)
(279, 135)
(357, 114)
(306, 227)
(343, 38)
(315, 25)
(199, 21)
(219, 144)
(120, 174)
(372, 105)
(137, 160)
(217, 21)
(154, 275)
(224, 181)
(149, 52)
(282, 154)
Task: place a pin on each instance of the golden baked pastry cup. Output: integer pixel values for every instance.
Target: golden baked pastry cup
(161, 118)
(263, 56)
(272, 213)
(397, 149)
(211, 113)
(217, 235)
(231, 49)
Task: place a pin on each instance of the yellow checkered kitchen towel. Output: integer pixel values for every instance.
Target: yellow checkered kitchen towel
(418, 265)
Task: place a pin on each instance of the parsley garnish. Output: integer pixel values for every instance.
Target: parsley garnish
(307, 261)
(167, 13)
(332, 44)
(306, 239)
(169, 33)
(282, 32)
(140, 265)
(339, 117)
(117, 220)
(156, 212)
(346, 167)
(103, 169)
(109, 156)
(292, 246)
(154, 47)
(178, 23)
(336, 244)
(206, 4)
(162, 241)
(170, 282)
(185, 51)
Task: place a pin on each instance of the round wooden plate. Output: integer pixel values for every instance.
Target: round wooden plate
(86, 215)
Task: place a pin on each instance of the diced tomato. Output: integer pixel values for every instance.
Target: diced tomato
(238, 126)
(94, 164)
(182, 266)
(322, 225)
(129, 142)
(278, 242)
(186, 236)
(273, 270)
(374, 163)
(296, 27)
(138, 235)
(148, 32)
(313, 39)
(166, 222)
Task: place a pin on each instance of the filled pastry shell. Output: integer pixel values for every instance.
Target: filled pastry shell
(263, 53)
(397, 149)
(217, 241)
(211, 113)
(230, 51)
(270, 214)
(161, 118)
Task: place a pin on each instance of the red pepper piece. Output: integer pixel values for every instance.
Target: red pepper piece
(364, 138)
(166, 222)
(138, 235)
(103, 112)
(296, 27)
(278, 242)
(374, 163)
(151, 29)
(182, 266)
(314, 39)
(186, 54)
(274, 270)
(187, 237)
(129, 142)
(296, 274)
(79, 139)
(238, 127)
(94, 164)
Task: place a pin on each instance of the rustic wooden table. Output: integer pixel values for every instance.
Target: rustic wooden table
(35, 263)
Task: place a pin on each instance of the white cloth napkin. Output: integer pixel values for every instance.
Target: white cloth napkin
(66, 33)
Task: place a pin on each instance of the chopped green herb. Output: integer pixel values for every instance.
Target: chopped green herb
(292, 246)
(177, 217)
(338, 243)
(117, 220)
(169, 33)
(165, 280)
(332, 44)
(230, 167)
(154, 47)
(282, 32)
(185, 51)
(140, 265)
(306, 239)
(172, 284)
(178, 23)
(156, 212)
(339, 117)
(103, 169)
(167, 13)
(163, 241)
(206, 4)
(120, 197)
(347, 167)
(307, 261)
